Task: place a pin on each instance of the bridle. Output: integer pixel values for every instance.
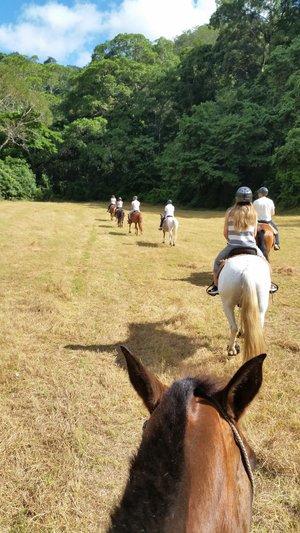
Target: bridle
(238, 439)
(236, 435)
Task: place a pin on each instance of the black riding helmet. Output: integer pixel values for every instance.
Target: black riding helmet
(243, 194)
(263, 190)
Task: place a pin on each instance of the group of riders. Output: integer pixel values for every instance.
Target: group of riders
(240, 225)
(118, 203)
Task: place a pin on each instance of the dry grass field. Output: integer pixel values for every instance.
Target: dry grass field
(73, 287)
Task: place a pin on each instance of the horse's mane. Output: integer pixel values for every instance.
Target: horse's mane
(156, 470)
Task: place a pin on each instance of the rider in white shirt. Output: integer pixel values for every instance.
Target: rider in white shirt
(135, 205)
(265, 209)
(113, 201)
(119, 203)
(169, 212)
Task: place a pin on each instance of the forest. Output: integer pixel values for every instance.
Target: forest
(191, 119)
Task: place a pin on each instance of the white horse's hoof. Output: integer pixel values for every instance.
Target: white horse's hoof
(231, 353)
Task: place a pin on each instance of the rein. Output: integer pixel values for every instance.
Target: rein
(239, 441)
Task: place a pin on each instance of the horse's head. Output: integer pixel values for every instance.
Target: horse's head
(191, 469)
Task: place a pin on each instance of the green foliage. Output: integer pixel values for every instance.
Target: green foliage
(16, 179)
(287, 161)
(192, 118)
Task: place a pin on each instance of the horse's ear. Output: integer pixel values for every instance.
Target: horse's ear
(243, 387)
(148, 386)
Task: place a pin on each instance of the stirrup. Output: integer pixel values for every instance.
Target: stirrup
(274, 288)
(209, 288)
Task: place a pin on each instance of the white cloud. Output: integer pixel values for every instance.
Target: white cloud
(156, 18)
(57, 30)
(52, 29)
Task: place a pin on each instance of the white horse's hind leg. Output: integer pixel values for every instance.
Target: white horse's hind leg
(233, 348)
(164, 236)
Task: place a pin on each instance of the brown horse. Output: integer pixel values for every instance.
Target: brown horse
(265, 238)
(120, 215)
(112, 211)
(192, 472)
(136, 219)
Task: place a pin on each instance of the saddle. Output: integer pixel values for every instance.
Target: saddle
(242, 250)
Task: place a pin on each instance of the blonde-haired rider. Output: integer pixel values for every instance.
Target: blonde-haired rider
(240, 228)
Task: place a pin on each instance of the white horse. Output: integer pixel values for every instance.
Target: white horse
(170, 225)
(245, 281)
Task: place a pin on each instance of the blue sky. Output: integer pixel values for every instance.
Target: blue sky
(69, 30)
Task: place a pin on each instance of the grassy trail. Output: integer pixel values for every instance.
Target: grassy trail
(73, 286)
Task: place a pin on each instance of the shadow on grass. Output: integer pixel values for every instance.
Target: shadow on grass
(154, 343)
(103, 220)
(200, 279)
(148, 244)
(117, 233)
(104, 225)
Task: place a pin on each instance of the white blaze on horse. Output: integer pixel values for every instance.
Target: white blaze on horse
(245, 281)
(170, 225)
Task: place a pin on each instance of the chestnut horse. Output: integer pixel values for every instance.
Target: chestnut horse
(112, 211)
(120, 215)
(192, 472)
(265, 238)
(136, 219)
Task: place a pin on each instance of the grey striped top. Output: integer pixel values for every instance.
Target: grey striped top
(241, 238)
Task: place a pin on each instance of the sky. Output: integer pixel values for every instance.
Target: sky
(69, 30)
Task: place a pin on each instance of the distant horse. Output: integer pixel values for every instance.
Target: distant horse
(265, 238)
(245, 281)
(170, 225)
(112, 210)
(193, 470)
(136, 219)
(120, 215)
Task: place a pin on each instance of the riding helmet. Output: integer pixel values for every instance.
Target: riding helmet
(169, 202)
(243, 194)
(134, 198)
(263, 190)
(119, 198)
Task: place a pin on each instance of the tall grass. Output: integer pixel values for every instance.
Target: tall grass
(72, 288)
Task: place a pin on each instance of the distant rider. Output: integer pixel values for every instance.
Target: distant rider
(169, 212)
(265, 209)
(119, 203)
(135, 206)
(113, 201)
(240, 228)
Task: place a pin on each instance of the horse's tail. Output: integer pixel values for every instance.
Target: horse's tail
(260, 240)
(254, 343)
